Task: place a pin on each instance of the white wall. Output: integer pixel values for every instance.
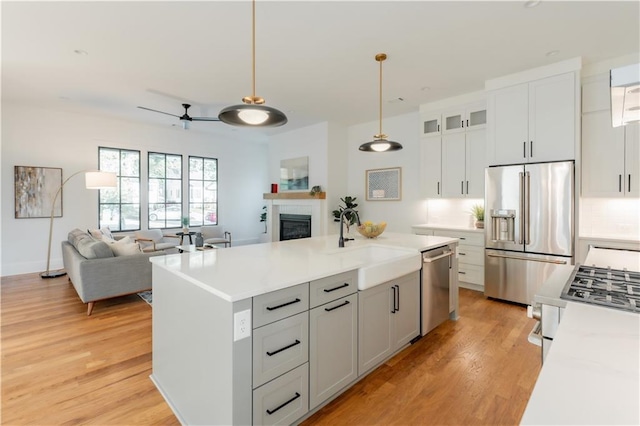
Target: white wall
(39, 137)
(399, 215)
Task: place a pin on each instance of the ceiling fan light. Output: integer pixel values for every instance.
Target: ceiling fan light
(235, 116)
(253, 116)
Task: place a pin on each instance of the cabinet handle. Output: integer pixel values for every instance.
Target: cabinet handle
(269, 308)
(462, 254)
(462, 272)
(524, 149)
(270, 412)
(346, 302)
(467, 187)
(393, 310)
(438, 188)
(462, 124)
(329, 290)
(297, 342)
(438, 127)
(462, 187)
(629, 190)
(467, 123)
(531, 149)
(619, 183)
(398, 298)
(462, 238)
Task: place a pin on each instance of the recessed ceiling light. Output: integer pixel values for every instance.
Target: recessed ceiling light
(552, 52)
(81, 52)
(531, 3)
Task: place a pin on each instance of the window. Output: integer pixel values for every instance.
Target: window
(203, 191)
(165, 190)
(119, 208)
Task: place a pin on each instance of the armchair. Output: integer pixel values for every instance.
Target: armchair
(216, 235)
(153, 240)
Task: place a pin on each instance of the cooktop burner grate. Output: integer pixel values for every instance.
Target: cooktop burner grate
(619, 289)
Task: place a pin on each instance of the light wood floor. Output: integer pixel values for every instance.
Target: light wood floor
(61, 367)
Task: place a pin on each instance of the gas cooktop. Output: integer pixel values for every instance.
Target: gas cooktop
(612, 288)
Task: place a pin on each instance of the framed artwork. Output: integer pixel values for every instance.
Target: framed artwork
(384, 184)
(294, 174)
(35, 188)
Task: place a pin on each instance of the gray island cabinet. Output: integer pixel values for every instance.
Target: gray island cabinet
(268, 334)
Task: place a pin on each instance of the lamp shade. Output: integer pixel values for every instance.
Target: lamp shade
(251, 115)
(380, 145)
(100, 180)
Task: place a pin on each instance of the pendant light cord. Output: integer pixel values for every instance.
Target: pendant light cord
(380, 98)
(253, 51)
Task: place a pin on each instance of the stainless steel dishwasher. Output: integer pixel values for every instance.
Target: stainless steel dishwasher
(436, 264)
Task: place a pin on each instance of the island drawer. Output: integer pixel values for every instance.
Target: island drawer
(283, 400)
(279, 347)
(274, 306)
(332, 288)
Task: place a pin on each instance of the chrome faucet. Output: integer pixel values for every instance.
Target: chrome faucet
(341, 240)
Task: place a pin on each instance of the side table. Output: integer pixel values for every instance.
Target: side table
(185, 234)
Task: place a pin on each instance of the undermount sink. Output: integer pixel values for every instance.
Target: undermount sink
(381, 263)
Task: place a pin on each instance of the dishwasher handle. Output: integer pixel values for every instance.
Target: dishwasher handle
(426, 259)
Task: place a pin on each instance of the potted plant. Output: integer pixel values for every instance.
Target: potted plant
(478, 212)
(263, 218)
(350, 219)
(185, 225)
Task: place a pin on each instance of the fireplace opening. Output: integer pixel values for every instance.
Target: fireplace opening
(295, 226)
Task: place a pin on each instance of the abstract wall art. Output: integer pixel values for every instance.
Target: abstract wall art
(35, 188)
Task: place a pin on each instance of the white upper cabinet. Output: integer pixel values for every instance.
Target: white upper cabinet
(431, 124)
(453, 163)
(431, 167)
(533, 122)
(610, 155)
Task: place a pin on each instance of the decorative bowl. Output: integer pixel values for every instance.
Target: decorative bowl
(371, 230)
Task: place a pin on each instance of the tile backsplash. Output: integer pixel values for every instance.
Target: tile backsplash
(610, 217)
(451, 212)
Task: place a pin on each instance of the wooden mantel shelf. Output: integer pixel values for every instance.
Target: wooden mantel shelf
(294, 196)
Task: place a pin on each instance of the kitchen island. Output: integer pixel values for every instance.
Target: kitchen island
(269, 333)
(591, 374)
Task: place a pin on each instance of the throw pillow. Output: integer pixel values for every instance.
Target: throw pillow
(125, 247)
(106, 232)
(95, 233)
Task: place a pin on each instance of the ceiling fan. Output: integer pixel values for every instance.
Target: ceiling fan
(184, 118)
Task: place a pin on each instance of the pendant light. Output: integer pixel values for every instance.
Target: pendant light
(252, 113)
(380, 142)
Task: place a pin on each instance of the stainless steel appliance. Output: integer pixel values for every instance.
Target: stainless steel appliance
(530, 227)
(436, 265)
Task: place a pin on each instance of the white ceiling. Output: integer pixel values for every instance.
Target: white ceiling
(315, 60)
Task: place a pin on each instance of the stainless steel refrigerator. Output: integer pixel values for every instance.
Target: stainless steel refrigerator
(529, 227)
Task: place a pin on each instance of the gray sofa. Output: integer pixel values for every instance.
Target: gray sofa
(97, 274)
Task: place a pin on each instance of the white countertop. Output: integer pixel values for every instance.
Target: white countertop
(448, 227)
(237, 273)
(591, 374)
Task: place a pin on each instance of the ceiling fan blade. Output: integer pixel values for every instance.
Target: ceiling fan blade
(161, 112)
(205, 119)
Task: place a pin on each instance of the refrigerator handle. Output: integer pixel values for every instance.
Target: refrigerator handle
(521, 207)
(527, 208)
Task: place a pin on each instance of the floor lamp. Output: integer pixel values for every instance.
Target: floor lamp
(93, 180)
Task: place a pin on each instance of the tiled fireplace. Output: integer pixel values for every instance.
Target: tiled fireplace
(291, 204)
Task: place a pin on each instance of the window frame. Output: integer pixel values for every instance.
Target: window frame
(202, 203)
(119, 178)
(165, 179)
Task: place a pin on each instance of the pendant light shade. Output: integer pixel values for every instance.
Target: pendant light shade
(380, 142)
(252, 112)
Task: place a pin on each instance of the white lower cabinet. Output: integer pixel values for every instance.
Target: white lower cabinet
(283, 400)
(333, 348)
(388, 318)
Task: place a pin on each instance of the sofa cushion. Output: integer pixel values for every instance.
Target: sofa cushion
(87, 246)
(125, 248)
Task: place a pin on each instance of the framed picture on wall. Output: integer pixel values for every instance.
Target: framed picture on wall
(35, 188)
(384, 184)
(294, 174)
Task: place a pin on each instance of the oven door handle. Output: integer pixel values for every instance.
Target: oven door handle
(433, 259)
(532, 259)
(535, 336)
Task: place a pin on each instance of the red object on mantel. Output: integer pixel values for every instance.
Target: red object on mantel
(274, 188)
